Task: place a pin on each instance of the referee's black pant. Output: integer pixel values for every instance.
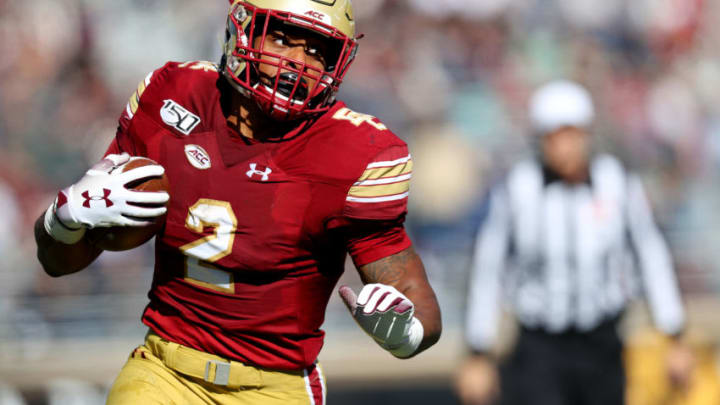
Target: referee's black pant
(569, 368)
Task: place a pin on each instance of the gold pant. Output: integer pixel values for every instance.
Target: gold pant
(162, 372)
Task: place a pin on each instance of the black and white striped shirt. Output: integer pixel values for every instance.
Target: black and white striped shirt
(562, 255)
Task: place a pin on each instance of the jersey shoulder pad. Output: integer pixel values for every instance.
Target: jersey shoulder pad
(354, 121)
(348, 140)
(373, 164)
(362, 134)
(178, 96)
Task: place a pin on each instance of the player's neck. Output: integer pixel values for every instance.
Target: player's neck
(249, 121)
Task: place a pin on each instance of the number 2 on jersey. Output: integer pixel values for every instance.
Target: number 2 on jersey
(219, 216)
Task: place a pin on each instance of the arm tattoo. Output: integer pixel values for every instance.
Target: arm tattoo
(389, 269)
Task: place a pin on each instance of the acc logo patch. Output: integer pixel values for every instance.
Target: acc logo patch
(178, 117)
(197, 157)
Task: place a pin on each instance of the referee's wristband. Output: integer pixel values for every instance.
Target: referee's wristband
(59, 231)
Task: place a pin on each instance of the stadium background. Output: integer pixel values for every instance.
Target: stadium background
(451, 77)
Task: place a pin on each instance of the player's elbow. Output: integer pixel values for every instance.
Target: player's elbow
(433, 332)
(56, 270)
(433, 336)
(53, 266)
(50, 270)
(58, 259)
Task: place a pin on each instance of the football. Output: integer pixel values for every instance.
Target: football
(118, 238)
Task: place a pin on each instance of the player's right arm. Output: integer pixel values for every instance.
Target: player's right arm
(98, 199)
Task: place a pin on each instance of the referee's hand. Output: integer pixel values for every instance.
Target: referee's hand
(680, 365)
(478, 381)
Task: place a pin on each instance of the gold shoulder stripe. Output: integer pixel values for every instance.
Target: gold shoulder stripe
(380, 189)
(134, 100)
(133, 103)
(141, 88)
(380, 172)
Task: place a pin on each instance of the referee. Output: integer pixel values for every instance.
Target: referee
(557, 247)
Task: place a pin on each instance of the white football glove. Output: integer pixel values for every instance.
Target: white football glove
(387, 316)
(100, 199)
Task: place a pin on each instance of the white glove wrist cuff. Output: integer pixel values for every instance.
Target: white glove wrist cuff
(59, 231)
(415, 336)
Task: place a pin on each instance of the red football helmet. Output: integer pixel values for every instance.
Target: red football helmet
(288, 96)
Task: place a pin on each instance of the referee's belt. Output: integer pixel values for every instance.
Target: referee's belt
(214, 369)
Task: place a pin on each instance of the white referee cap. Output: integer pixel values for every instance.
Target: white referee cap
(560, 103)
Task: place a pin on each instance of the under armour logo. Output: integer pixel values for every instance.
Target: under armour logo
(255, 170)
(86, 195)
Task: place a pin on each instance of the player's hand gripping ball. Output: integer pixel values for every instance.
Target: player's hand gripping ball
(119, 203)
(142, 228)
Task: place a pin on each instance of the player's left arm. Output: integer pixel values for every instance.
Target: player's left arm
(404, 271)
(397, 306)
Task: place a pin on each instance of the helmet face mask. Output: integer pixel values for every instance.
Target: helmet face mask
(296, 89)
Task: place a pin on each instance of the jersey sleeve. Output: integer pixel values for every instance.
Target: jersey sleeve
(381, 192)
(366, 245)
(376, 205)
(123, 141)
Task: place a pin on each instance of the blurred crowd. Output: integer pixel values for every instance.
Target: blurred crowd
(451, 77)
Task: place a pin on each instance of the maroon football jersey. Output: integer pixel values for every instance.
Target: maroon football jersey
(257, 232)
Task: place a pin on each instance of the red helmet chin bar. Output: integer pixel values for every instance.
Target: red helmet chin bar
(288, 95)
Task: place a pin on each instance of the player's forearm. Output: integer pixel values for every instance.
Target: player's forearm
(405, 272)
(427, 311)
(417, 288)
(59, 259)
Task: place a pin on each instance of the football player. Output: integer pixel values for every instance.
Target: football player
(273, 183)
